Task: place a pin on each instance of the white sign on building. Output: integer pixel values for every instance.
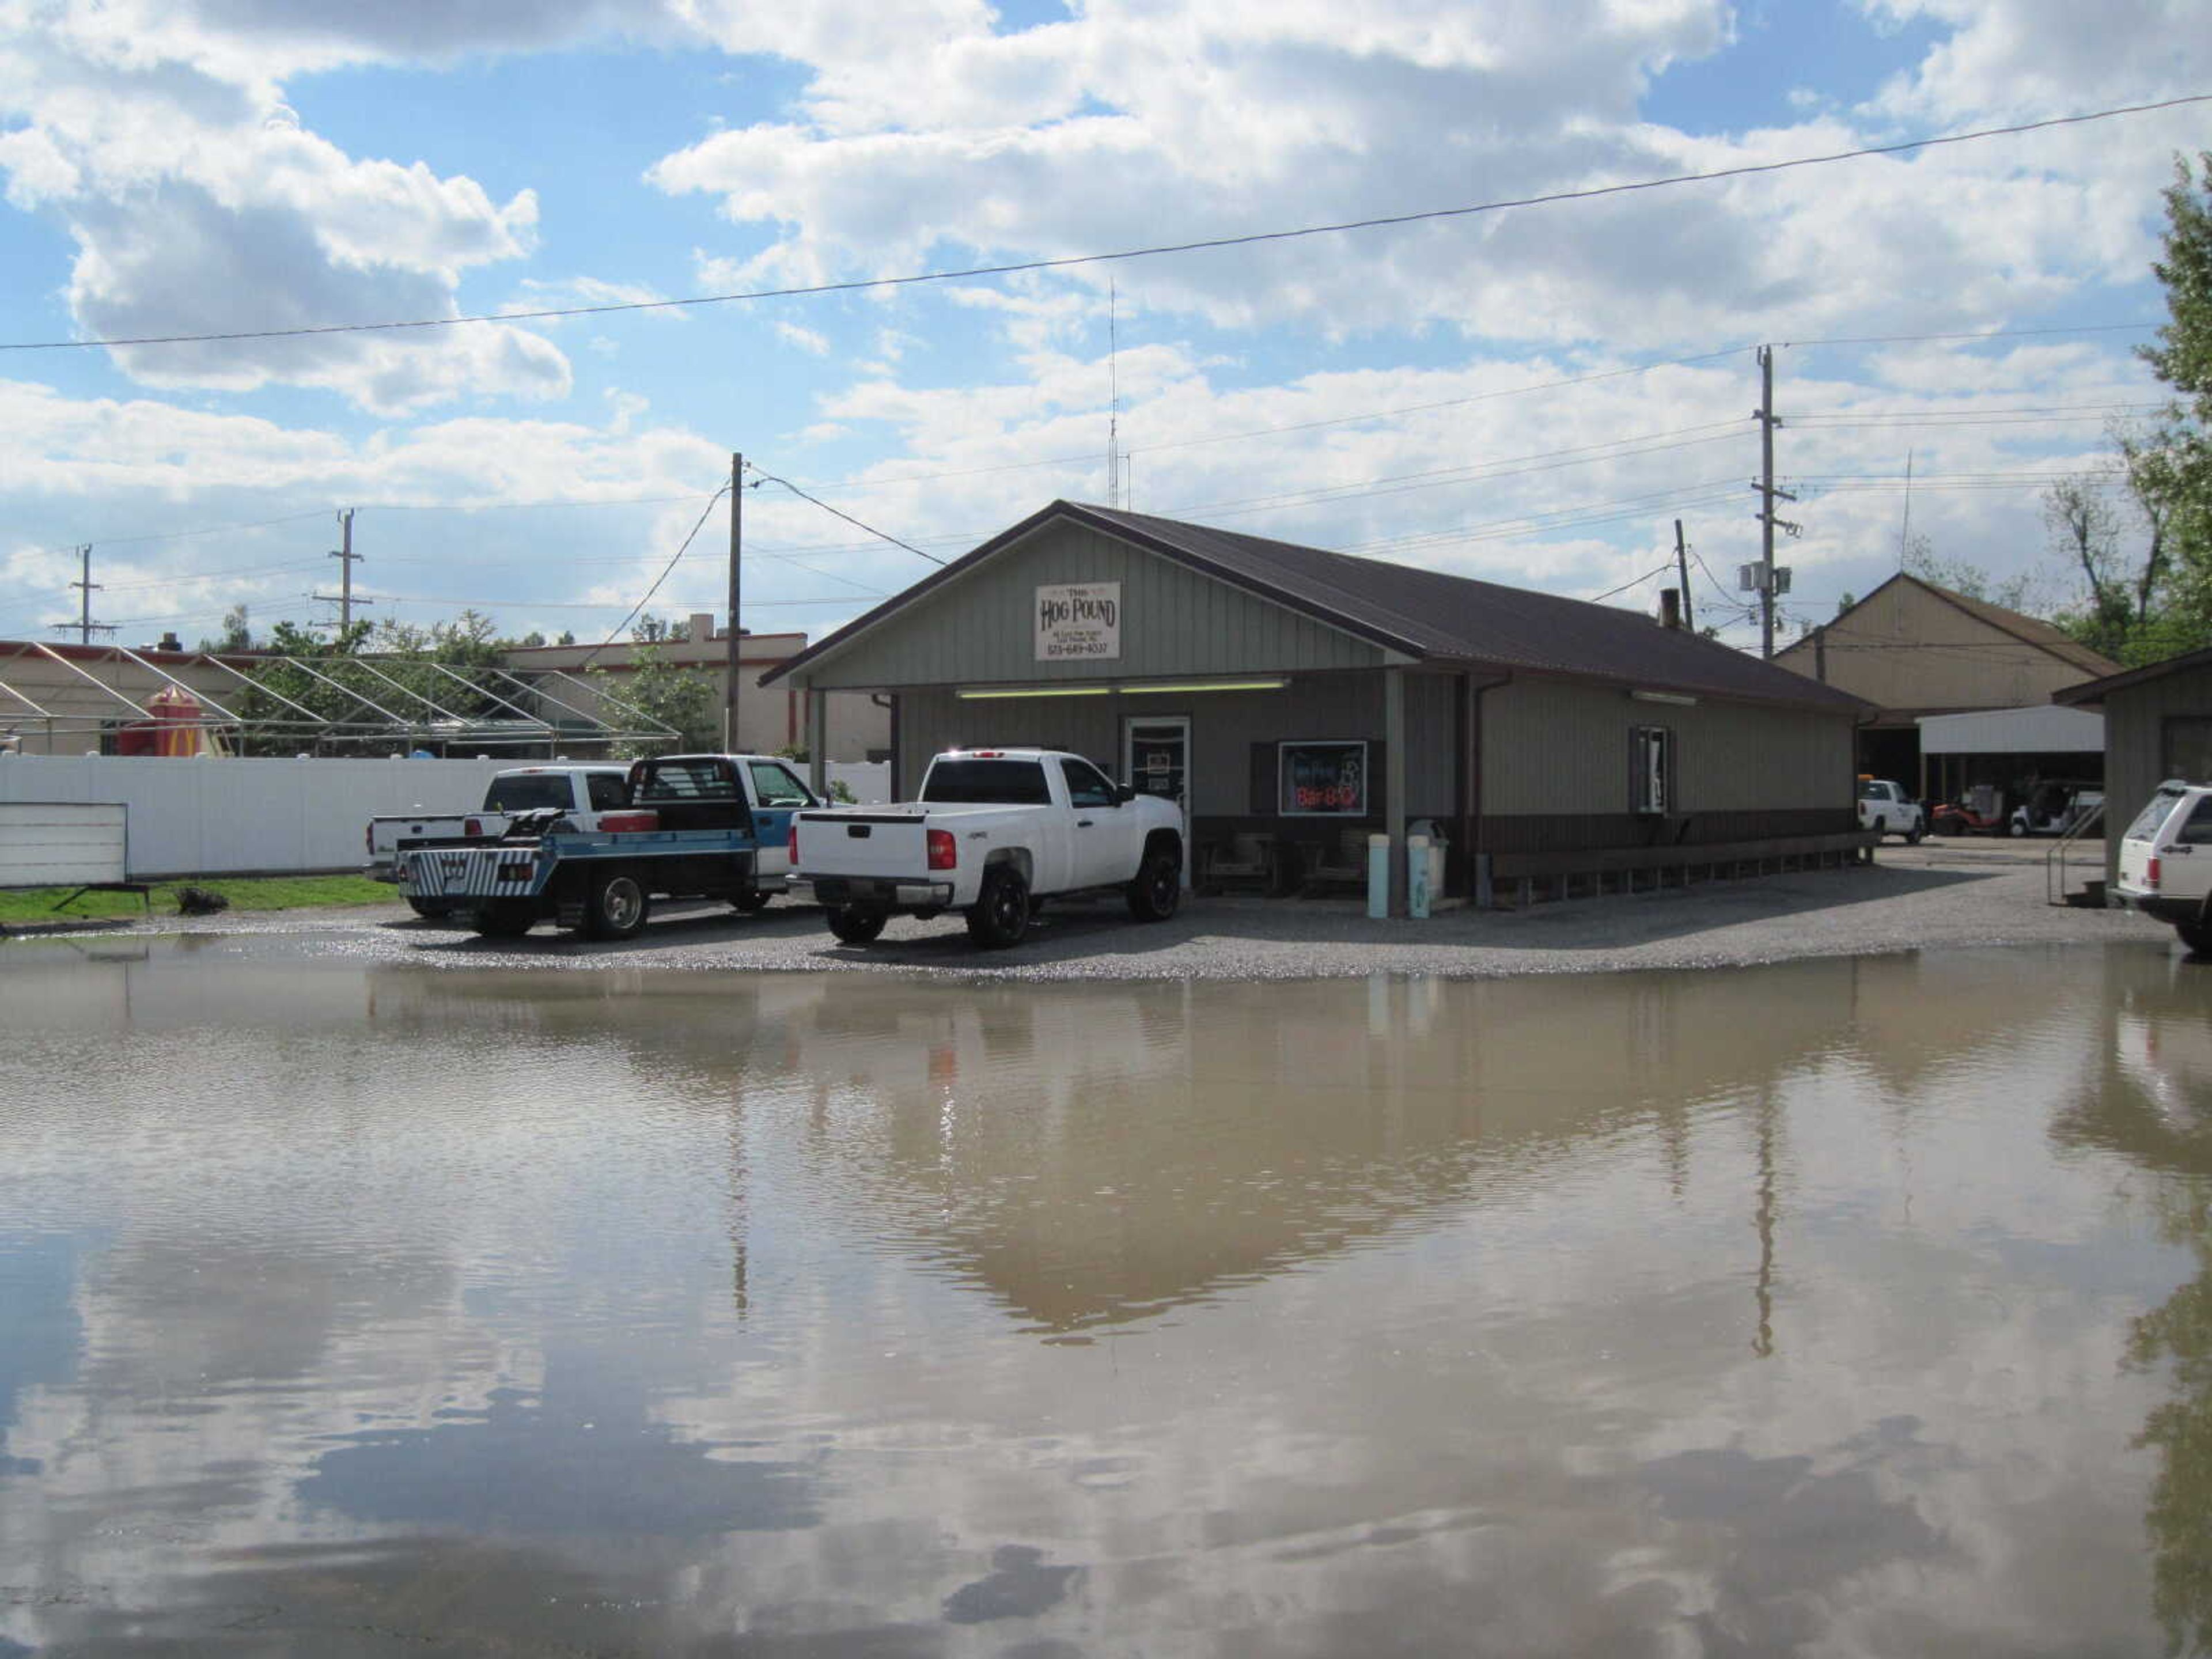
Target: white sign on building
(1079, 621)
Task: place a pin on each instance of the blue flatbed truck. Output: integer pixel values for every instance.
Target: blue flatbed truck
(695, 826)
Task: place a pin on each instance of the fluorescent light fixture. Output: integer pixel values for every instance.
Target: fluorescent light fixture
(977, 694)
(1677, 699)
(1206, 685)
(981, 693)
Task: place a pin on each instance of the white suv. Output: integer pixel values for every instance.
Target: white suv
(2165, 861)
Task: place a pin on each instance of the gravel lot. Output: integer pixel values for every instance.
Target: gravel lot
(1938, 896)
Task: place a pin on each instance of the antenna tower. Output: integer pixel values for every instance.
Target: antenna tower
(1113, 400)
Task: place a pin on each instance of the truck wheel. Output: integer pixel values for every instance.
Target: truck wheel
(1000, 915)
(1158, 889)
(2196, 937)
(853, 924)
(435, 909)
(2019, 827)
(618, 906)
(751, 902)
(1913, 836)
(503, 918)
(1881, 826)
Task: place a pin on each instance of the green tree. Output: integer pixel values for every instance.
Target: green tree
(2175, 457)
(688, 701)
(237, 633)
(1961, 576)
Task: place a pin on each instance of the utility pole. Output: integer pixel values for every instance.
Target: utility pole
(344, 597)
(731, 657)
(1682, 564)
(1766, 581)
(86, 627)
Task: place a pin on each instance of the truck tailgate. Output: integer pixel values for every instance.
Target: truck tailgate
(889, 843)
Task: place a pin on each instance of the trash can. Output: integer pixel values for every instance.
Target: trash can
(1434, 864)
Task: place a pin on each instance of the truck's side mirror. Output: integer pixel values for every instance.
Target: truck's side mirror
(1124, 794)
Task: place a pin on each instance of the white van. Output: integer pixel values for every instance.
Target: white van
(2165, 861)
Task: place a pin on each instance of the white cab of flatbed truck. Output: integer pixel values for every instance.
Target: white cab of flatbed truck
(995, 830)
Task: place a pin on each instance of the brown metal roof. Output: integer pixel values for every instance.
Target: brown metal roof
(1422, 614)
(2029, 630)
(2095, 691)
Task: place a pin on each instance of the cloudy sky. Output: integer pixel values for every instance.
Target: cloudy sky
(1531, 395)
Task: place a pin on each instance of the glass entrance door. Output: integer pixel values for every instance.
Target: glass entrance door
(1156, 761)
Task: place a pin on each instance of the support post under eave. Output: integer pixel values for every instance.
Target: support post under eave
(817, 740)
(1394, 782)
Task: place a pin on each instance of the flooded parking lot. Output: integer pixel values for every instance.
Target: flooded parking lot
(1852, 1305)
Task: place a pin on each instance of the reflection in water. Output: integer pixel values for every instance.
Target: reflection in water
(1743, 1312)
(2153, 1102)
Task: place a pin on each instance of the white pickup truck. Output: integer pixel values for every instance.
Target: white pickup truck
(2166, 862)
(995, 831)
(581, 793)
(1886, 809)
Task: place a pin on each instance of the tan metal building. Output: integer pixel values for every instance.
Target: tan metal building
(769, 718)
(1303, 698)
(2158, 725)
(1912, 648)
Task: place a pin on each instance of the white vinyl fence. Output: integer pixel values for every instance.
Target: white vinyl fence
(204, 817)
(62, 843)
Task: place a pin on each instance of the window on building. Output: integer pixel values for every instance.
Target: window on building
(1652, 770)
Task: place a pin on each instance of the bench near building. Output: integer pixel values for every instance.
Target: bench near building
(1293, 701)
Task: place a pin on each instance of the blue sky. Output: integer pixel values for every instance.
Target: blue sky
(1449, 393)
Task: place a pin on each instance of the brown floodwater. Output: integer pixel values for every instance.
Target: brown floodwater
(1846, 1307)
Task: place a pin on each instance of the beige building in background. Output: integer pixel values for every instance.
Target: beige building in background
(859, 727)
(1912, 648)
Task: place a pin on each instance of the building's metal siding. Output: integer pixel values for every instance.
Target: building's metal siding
(1552, 746)
(2135, 758)
(1174, 624)
(1224, 725)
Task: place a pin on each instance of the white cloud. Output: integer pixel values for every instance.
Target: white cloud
(1135, 125)
(198, 206)
(810, 341)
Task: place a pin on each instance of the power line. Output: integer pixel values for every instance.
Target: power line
(771, 477)
(657, 581)
(1249, 239)
(1974, 334)
(1634, 582)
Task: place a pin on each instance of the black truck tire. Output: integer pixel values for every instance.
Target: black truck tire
(999, 917)
(616, 906)
(855, 924)
(2196, 937)
(751, 902)
(1157, 892)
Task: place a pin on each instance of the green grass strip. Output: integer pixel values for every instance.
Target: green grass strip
(27, 905)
